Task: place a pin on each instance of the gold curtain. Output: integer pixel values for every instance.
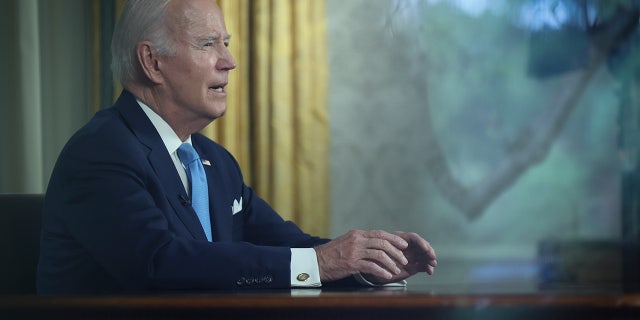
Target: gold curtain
(233, 130)
(276, 121)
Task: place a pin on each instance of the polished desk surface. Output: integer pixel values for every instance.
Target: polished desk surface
(423, 302)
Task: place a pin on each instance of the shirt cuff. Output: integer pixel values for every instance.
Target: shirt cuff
(360, 278)
(304, 268)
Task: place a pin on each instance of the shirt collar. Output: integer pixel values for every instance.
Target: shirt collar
(168, 136)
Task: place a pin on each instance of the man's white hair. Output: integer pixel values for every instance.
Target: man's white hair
(141, 20)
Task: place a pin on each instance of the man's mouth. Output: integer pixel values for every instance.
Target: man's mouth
(219, 88)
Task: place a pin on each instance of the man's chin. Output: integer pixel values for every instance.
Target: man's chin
(216, 111)
(220, 113)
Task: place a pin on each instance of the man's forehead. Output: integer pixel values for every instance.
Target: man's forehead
(198, 16)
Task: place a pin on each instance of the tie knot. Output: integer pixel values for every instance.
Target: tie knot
(187, 153)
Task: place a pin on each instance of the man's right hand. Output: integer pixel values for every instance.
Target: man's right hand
(376, 252)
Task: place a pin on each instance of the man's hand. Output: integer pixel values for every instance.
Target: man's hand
(378, 253)
(419, 253)
(380, 256)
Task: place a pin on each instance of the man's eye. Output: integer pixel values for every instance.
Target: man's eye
(209, 44)
(226, 43)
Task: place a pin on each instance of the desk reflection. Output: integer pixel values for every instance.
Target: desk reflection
(411, 302)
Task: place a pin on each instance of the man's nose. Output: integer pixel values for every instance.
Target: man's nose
(226, 61)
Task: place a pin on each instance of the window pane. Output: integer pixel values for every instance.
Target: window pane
(502, 131)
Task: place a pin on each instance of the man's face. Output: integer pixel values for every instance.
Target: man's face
(196, 76)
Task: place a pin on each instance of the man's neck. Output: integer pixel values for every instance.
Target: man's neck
(170, 114)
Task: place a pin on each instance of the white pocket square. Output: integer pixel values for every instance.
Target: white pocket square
(237, 206)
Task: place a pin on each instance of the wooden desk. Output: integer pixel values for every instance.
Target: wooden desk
(412, 303)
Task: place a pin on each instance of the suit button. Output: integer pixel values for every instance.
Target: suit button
(267, 279)
(303, 277)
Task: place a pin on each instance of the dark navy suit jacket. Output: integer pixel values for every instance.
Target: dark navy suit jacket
(117, 218)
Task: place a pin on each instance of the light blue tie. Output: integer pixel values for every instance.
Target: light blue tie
(199, 188)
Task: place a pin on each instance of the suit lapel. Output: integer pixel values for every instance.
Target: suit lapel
(161, 162)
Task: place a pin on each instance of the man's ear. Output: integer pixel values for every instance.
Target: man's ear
(148, 59)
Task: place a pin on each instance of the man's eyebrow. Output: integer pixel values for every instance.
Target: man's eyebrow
(216, 37)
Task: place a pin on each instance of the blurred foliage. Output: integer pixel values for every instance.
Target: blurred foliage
(497, 75)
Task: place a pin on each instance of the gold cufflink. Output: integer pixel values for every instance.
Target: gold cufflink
(303, 277)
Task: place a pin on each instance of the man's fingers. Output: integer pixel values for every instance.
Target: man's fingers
(390, 250)
(416, 240)
(382, 259)
(396, 240)
(389, 243)
(372, 268)
(430, 270)
(382, 255)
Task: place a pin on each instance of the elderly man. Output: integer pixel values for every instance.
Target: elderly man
(139, 201)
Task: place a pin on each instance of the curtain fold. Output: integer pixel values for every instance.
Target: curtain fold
(44, 87)
(276, 123)
(31, 165)
(21, 138)
(232, 130)
(312, 125)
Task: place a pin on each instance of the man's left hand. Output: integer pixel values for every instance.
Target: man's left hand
(419, 253)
